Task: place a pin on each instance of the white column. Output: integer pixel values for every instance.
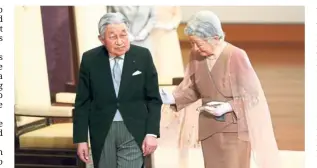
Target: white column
(31, 77)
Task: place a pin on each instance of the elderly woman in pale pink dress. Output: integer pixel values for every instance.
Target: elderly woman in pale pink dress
(234, 117)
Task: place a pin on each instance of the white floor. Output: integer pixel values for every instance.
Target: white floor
(168, 158)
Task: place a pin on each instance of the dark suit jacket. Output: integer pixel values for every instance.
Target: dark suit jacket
(96, 103)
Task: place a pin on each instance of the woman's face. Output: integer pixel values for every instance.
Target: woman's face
(201, 46)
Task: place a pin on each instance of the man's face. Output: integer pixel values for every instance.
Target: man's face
(201, 46)
(116, 39)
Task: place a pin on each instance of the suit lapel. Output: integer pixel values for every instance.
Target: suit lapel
(105, 70)
(127, 70)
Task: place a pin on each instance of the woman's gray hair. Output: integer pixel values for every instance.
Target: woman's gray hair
(111, 18)
(205, 25)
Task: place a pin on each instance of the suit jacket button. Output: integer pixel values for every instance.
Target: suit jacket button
(118, 104)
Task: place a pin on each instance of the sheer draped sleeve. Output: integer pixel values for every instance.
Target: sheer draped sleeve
(186, 92)
(252, 111)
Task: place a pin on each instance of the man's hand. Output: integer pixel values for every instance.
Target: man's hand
(83, 152)
(216, 108)
(149, 145)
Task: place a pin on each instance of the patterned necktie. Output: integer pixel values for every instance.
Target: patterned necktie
(116, 74)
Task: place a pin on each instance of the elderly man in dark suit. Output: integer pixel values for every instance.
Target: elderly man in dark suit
(117, 99)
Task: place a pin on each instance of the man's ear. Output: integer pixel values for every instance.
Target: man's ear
(101, 40)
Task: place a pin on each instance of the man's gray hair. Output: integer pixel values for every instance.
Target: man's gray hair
(111, 18)
(205, 25)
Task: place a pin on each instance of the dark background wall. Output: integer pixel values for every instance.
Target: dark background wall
(58, 46)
